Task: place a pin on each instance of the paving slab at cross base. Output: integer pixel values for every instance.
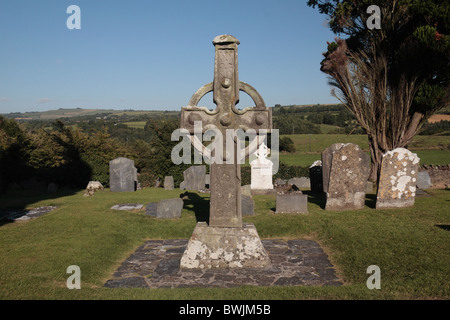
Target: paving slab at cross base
(156, 264)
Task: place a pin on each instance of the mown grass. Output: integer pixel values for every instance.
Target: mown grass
(411, 251)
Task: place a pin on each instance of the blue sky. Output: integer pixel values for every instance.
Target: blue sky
(154, 54)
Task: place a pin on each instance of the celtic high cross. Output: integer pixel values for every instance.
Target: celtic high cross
(225, 179)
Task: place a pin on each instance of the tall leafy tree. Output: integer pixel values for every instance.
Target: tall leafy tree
(392, 78)
(159, 160)
(15, 146)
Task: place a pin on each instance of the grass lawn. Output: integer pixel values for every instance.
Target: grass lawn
(407, 244)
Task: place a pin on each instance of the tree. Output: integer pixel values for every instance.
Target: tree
(393, 78)
(160, 161)
(286, 144)
(72, 157)
(15, 146)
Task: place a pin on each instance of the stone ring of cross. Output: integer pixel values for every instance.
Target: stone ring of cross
(225, 88)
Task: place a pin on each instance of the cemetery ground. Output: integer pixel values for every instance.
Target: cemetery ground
(409, 245)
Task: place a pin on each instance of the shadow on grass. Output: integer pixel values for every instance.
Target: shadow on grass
(199, 205)
(320, 199)
(14, 203)
(316, 198)
(445, 227)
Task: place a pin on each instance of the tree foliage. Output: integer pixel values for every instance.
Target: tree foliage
(60, 154)
(394, 78)
(294, 124)
(14, 152)
(286, 144)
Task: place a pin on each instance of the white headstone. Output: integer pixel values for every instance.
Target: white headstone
(261, 169)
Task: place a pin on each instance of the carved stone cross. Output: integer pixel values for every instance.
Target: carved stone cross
(225, 183)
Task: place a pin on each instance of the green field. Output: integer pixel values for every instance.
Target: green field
(409, 245)
(430, 149)
(136, 124)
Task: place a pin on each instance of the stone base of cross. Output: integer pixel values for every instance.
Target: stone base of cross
(225, 242)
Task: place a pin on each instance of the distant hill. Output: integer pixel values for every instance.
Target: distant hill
(55, 114)
(78, 112)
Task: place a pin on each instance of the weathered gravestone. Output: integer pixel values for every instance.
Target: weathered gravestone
(167, 208)
(247, 202)
(261, 169)
(225, 242)
(423, 180)
(327, 156)
(168, 183)
(122, 175)
(280, 182)
(292, 203)
(397, 182)
(347, 177)
(316, 177)
(195, 178)
(300, 182)
(247, 205)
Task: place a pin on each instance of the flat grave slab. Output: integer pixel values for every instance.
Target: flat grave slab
(156, 264)
(128, 206)
(25, 215)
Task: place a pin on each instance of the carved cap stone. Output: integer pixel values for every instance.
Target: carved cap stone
(225, 38)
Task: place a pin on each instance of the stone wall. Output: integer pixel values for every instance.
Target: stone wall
(439, 175)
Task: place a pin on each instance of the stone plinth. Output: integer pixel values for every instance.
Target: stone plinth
(216, 247)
